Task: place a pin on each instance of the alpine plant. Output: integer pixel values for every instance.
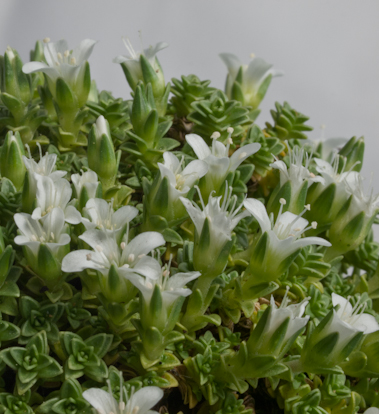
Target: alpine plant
(147, 265)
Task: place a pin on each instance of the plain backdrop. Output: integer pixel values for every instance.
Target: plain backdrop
(328, 49)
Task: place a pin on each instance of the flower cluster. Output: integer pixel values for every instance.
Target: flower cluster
(155, 257)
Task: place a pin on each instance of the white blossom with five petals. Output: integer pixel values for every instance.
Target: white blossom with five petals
(128, 258)
(218, 160)
(181, 180)
(98, 213)
(284, 240)
(61, 61)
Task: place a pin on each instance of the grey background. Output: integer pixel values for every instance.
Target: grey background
(327, 48)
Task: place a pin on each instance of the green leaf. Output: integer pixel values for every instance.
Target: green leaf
(100, 343)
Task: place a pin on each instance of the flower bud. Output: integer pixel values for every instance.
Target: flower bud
(12, 164)
(101, 154)
(15, 84)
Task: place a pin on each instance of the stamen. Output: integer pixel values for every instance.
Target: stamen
(129, 48)
(99, 248)
(66, 53)
(242, 155)
(285, 298)
(89, 256)
(200, 197)
(131, 258)
(46, 40)
(40, 150)
(216, 135)
(73, 61)
(230, 130)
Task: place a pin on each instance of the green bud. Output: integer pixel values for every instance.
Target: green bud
(14, 81)
(353, 152)
(153, 75)
(83, 84)
(12, 164)
(101, 155)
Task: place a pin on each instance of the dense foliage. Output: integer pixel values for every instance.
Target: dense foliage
(165, 253)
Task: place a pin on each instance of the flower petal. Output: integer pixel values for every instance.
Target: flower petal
(144, 243)
(308, 241)
(199, 146)
(258, 70)
(232, 63)
(258, 210)
(77, 261)
(181, 279)
(145, 398)
(83, 51)
(72, 215)
(197, 216)
(239, 156)
(101, 400)
(145, 266)
(365, 323)
(123, 216)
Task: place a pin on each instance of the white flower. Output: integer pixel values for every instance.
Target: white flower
(221, 221)
(294, 312)
(285, 235)
(181, 180)
(61, 62)
(329, 147)
(296, 173)
(50, 230)
(353, 318)
(329, 172)
(339, 333)
(361, 201)
(277, 317)
(132, 61)
(283, 241)
(128, 258)
(45, 167)
(139, 402)
(100, 214)
(217, 158)
(51, 194)
(87, 180)
(171, 287)
(253, 75)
